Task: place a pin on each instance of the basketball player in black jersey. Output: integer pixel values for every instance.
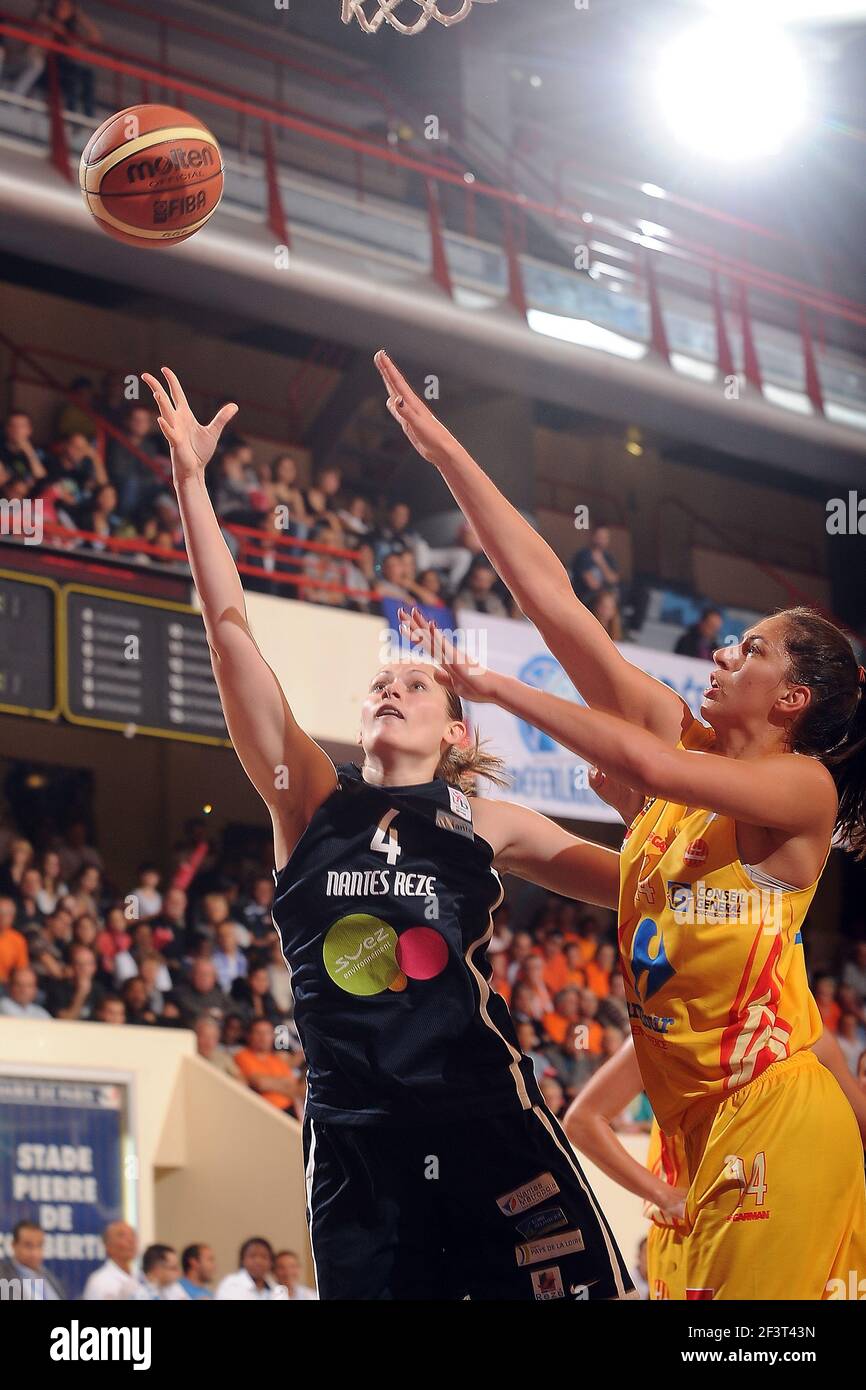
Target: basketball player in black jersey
(434, 1168)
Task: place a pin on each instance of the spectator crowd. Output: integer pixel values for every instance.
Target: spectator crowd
(326, 542)
(323, 538)
(162, 1275)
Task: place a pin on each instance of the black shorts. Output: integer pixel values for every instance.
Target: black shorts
(483, 1209)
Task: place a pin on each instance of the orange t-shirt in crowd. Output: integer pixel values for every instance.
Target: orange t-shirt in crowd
(253, 1064)
(597, 980)
(555, 972)
(576, 979)
(830, 1014)
(556, 1026)
(502, 987)
(13, 953)
(587, 947)
(558, 1029)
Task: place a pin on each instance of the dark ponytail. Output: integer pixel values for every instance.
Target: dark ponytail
(833, 726)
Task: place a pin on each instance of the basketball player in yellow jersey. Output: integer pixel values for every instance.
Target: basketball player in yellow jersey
(717, 873)
(662, 1183)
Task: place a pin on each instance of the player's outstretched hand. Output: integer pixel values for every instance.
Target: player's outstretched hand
(192, 444)
(433, 442)
(470, 679)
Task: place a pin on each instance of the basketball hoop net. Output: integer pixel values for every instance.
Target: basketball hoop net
(384, 12)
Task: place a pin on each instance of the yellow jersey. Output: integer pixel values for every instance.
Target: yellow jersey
(715, 974)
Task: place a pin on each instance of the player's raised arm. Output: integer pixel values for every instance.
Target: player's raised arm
(536, 577)
(534, 847)
(780, 791)
(291, 773)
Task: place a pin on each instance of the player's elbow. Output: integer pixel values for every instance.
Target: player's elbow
(228, 633)
(546, 599)
(230, 649)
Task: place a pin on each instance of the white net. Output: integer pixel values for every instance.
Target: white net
(404, 16)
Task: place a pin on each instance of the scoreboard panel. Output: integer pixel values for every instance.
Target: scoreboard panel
(28, 645)
(138, 665)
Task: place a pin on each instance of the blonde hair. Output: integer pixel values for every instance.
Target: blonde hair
(462, 765)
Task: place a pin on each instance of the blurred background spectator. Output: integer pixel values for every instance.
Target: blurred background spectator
(702, 638)
(594, 567)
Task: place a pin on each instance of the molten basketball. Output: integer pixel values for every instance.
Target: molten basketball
(151, 175)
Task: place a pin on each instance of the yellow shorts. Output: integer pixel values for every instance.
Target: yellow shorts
(777, 1205)
(665, 1263)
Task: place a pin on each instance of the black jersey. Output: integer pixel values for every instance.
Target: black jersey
(384, 912)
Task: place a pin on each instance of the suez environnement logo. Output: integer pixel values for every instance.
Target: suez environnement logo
(77, 1343)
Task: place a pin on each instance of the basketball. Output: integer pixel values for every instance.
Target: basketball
(151, 175)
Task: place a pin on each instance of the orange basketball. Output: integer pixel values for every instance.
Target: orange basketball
(151, 175)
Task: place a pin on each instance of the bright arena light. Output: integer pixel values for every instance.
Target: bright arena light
(732, 89)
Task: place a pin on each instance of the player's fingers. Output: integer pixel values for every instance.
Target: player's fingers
(160, 395)
(417, 634)
(437, 636)
(222, 417)
(176, 389)
(379, 359)
(397, 383)
(386, 369)
(395, 407)
(418, 631)
(167, 430)
(397, 377)
(437, 643)
(405, 620)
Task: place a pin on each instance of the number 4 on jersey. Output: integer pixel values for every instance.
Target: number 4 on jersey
(757, 1184)
(391, 845)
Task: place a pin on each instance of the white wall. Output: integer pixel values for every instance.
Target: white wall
(216, 1162)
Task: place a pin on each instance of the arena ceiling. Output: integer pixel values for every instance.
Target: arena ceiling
(580, 78)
